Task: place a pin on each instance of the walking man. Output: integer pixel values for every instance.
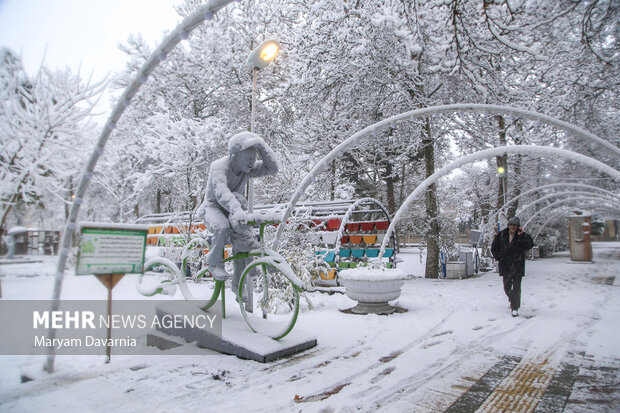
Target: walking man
(508, 249)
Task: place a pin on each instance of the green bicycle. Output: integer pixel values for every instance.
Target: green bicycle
(275, 276)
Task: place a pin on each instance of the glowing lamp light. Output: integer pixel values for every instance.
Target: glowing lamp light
(263, 55)
(501, 171)
(269, 52)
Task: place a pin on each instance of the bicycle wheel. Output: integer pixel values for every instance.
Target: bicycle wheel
(275, 289)
(170, 273)
(173, 278)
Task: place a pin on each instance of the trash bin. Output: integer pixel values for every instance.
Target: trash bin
(467, 256)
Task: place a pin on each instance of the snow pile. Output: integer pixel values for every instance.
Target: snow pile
(371, 274)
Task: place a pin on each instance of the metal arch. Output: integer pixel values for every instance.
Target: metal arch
(550, 196)
(181, 32)
(487, 153)
(563, 212)
(593, 196)
(544, 224)
(554, 204)
(534, 190)
(461, 107)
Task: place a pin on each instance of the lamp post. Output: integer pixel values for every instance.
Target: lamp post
(260, 58)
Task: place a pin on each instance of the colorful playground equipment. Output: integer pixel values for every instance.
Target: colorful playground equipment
(347, 234)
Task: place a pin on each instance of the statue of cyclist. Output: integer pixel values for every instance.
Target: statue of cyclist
(224, 206)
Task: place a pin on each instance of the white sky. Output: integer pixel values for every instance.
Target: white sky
(85, 32)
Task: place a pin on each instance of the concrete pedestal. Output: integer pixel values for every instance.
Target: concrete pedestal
(236, 338)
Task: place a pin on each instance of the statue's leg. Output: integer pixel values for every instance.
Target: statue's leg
(218, 224)
(239, 264)
(243, 241)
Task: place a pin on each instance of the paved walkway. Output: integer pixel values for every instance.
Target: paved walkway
(514, 384)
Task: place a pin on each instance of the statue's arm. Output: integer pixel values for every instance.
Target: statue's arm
(223, 195)
(268, 164)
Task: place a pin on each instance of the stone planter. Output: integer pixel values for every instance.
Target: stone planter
(372, 289)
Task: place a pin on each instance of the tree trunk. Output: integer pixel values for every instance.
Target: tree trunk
(6, 211)
(389, 186)
(68, 204)
(191, 199)
(518, 165)
(332, 189)
(432, 236)
(158, 201)
(401, 190)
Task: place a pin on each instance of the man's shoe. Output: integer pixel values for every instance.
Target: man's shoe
(515, 313)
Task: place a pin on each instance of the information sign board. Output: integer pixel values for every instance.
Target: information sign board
(111, 248)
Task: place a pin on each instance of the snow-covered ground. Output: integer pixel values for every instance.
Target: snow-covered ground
(453, 335)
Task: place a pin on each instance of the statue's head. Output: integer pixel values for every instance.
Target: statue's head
(242, 151)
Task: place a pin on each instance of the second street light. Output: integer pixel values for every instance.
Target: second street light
(260, 58)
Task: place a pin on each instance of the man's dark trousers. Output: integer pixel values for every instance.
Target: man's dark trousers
(512, 288)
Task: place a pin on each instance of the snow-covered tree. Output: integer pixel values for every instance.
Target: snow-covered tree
(45, 128)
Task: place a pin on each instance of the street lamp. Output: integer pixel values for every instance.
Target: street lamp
(263, 55)
(501, 171)
(259, 59)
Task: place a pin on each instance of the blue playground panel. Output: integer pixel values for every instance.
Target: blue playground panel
(358, 252)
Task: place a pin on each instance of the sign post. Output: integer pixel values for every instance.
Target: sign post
(109, 251)
(109, 280)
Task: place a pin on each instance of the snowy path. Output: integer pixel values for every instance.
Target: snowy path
(456, 344)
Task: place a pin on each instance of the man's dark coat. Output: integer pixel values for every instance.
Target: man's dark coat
(511, 255)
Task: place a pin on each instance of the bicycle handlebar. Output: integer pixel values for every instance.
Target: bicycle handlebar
(263, 217)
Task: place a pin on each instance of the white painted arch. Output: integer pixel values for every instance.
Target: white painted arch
(432, 110)
(181, 32)
(545, 187)
(565, 209)
(609, 198)
(555, 204)
(487, 153)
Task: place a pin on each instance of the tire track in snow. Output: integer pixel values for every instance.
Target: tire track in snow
(449, 364)
(378, 370)
(377, 365)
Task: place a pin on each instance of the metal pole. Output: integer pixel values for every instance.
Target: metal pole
(108, 350)
(249, 292)
(252, 128)
(253, 115)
